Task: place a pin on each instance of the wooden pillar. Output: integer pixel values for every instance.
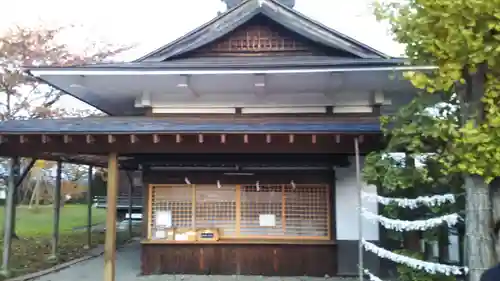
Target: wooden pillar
(57, 211)
(360, 206)
(18, 179)
(110, 241)
(130, 189)
(90, 180)
(9, 215)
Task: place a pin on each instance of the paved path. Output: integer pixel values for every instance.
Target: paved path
(128, 268)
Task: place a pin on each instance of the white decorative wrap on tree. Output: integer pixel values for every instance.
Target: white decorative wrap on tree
(429, 267)
(404, 225)
(371, 276)
(430, 201)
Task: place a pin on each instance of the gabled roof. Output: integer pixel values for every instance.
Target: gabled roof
(282, 15)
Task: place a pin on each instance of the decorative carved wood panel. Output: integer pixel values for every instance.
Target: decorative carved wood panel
(258, 37)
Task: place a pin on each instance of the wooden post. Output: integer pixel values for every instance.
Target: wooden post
(9, 216)
(16, 166)
(238, 210)
(57, 211)
(193, 207)
(130, 203)
(360, 207)
(90, 180)
(110, 241)
(19, 178)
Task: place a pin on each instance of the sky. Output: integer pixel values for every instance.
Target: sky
(149, 24)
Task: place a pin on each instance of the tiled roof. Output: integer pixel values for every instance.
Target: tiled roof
(117, 125)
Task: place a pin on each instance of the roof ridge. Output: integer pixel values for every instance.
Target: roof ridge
(275, 11)
(192, 32)
(332, 30)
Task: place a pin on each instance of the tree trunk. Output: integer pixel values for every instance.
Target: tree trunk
(479, 243)
(480, 250)
(495, 205)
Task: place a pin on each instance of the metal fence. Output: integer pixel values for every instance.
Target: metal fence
(122, 202)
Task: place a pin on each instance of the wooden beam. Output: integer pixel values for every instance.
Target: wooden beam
(67, 139)
(57, 212)
(156, 138)
(268, 138)
(89, 139)
(111, 139)
(110, 240)
(133, 139)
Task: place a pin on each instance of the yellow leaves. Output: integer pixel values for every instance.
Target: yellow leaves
(419, 80)
(453, 35)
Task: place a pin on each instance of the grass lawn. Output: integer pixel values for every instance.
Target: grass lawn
(34, 228)
(38, 221)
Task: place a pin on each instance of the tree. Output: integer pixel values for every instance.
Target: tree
(401, 177)
(22, 97)
(462, 39)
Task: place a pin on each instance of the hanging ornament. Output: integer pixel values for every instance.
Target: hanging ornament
(218, 184)
(404, 225)
(430, 201)
(371, 276)
(186, 180)
(429, 267)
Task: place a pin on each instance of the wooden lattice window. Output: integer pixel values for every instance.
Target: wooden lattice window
(258, 37)
(243, 211)
(216, 208)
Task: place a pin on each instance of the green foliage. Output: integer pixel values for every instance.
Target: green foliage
(415, 129)
(460, 37)
(409, 274)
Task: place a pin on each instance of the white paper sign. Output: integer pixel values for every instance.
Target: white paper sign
(267, 220)
(164, 218)
(160, 234)
(181, 237)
